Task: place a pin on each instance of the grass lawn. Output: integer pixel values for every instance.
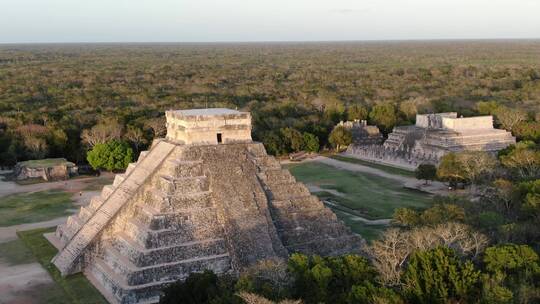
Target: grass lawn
(33, 207)
(387, 169)
(368, 232)
(370, 196)
(76, 288)
(47, 162)
(15, 253)
(96, 184)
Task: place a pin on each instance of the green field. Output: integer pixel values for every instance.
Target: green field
(387, 169)
(74, 288)
(47, 162)
(359, 194)
(15, 253)
(34, 207)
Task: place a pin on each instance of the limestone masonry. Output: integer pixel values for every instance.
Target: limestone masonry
(206, 197)
(433, 136)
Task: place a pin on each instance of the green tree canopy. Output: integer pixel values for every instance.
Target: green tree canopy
(384, 115)
(357, 112)
(450, 169)
(311, 142)
(427, 172)
(112, 155)
(340, 137)
(438, 276)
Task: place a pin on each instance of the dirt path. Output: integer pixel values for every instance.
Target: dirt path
(72, 185)
(19, 283)
(10, 233)
(409, 182)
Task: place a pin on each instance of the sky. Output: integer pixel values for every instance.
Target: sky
(29, 21)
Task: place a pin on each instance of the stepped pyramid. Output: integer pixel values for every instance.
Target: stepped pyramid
(206, 197)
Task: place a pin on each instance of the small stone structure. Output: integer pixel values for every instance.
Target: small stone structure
(362, 133)
(192, 203)
(432, 137)
(49, 169)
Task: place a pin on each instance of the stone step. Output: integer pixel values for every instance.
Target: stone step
(116, 289)
(171, 185)
(167, 203)
(276, 176)
(298, 203)
(107, 191)
(175, 270)
(130, 168)
(142, 257)
(287, 191)
(178, 234)
(68, 258)
(118, 179)
(85, 213)
(182, 168)
(95, 203)
(142, 156)
(267, 163)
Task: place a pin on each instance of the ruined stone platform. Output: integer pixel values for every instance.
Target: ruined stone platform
(217, 202)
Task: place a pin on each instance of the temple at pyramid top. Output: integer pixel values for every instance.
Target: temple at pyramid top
(208, 126)
(204, 197)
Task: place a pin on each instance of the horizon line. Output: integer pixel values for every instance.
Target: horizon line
(274, 41)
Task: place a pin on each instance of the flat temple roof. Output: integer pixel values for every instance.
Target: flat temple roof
(207, 112)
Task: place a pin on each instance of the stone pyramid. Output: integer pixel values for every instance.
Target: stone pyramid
(206, 197)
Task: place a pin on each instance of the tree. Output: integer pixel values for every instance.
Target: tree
(476, 165)
(311, 142)
(157, 125)
(507, 195)
(509, 118)
(487, 107)
(528, 130)
(136, 136)
(103, 132)
(513, 272)
(340, 137)
(384, 116)
(390, 252)
(408, 109)
(438, 276)
(268, 278)
(200, 288)
(427, 172)
(531, 200)
(450, 169)
(112, 155)
(329, 279)
(357, 112)
(293, 138)
(523, 159)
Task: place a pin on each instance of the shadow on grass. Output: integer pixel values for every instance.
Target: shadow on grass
(76, 287)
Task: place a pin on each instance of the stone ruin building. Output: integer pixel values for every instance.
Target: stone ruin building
(433, 136)
(362, 133)
(205, 197)
(50, 169)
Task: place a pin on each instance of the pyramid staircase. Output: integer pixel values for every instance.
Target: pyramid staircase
(182, 209)
(304, 224)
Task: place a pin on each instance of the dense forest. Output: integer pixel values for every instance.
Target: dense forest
(104, 103)
(61, 100)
